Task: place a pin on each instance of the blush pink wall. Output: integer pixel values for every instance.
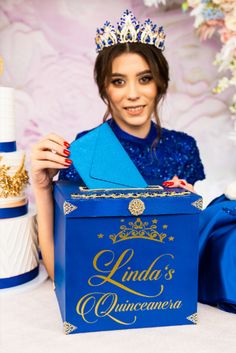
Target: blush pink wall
(48, 49)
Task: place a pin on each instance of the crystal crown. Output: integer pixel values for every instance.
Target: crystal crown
(129, 30)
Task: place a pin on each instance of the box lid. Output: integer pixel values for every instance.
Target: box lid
(77, 201)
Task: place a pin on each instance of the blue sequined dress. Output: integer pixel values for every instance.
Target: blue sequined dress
(176, 153)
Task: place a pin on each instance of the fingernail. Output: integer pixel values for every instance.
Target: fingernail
(168, 183)
(66, 152)
(182, 183)
(68, 161)
(66, 144)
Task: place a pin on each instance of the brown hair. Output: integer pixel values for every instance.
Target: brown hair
(153, 56)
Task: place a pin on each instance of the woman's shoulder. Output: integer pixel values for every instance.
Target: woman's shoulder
(82, 133)
(174, 134)
(177, 137)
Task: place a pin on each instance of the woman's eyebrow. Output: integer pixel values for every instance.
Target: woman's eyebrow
(139, 74)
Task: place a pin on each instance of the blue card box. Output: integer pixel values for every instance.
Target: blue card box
(125, 258)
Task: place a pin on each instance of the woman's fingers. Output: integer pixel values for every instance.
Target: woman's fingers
(58, 139)
(50, 153)
(49, 164)
(187, 186)
(175, 182)
(49, 145)
(51, 156)
(51, 148)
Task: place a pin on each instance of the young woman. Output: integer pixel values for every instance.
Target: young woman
(132, 77)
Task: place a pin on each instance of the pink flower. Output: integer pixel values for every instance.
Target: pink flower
(207, 29)
(225, 35)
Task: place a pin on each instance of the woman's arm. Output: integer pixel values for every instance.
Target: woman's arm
(47, 158)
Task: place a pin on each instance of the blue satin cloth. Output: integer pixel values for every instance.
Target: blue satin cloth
(176, 153)
(217, 251)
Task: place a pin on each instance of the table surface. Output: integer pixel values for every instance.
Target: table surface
(31, 323)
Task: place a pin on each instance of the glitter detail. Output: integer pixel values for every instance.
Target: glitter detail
(68, 328)
(136, 207)
(11, 186)
(68, 207)
(198, 204)
(229, 211)
(175, 154)
(193, 318)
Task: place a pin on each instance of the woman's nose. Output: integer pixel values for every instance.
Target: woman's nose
(133, 92)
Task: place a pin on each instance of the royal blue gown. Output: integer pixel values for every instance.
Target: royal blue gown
(217, 250)
(176, 153)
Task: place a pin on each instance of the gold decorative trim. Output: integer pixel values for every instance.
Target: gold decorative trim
(198, 204)
(151, 187)
(138, 230)
(68, 207)
(193, 318)
(134, 195)
(68, 328)
(13, 185)
(136, 207)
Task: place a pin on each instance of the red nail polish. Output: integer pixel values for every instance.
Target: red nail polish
(68, 161)
(168, 183)
(66, 144)
(66, 152)
(182, 183)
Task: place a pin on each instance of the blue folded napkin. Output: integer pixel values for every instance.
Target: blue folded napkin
(102, 162)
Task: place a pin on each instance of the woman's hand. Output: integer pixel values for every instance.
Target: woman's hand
(175, 182)
(47, 157)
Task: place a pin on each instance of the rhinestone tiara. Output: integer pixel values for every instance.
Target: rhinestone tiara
(129, 30)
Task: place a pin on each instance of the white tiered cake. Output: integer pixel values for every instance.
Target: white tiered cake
(18, 236)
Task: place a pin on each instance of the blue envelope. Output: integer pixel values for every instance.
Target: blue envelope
(102, 162)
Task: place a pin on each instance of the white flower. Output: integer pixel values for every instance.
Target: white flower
(230, 21)
(197, 12)
(155, 3)
(194, 3)
(226, 55)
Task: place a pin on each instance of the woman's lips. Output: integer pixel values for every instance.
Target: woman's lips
(137, 110)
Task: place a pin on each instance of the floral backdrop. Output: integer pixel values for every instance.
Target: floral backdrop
(48, 51)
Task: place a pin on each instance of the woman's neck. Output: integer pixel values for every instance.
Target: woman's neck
(137, 131)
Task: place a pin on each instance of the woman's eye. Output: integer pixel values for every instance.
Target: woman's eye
(145, 79)
(117, 82)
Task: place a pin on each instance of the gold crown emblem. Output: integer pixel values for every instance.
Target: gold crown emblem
(139, 230)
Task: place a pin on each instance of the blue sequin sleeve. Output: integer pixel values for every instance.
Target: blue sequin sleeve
(192, 169)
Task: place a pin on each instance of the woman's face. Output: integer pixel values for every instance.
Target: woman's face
(131, 93)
